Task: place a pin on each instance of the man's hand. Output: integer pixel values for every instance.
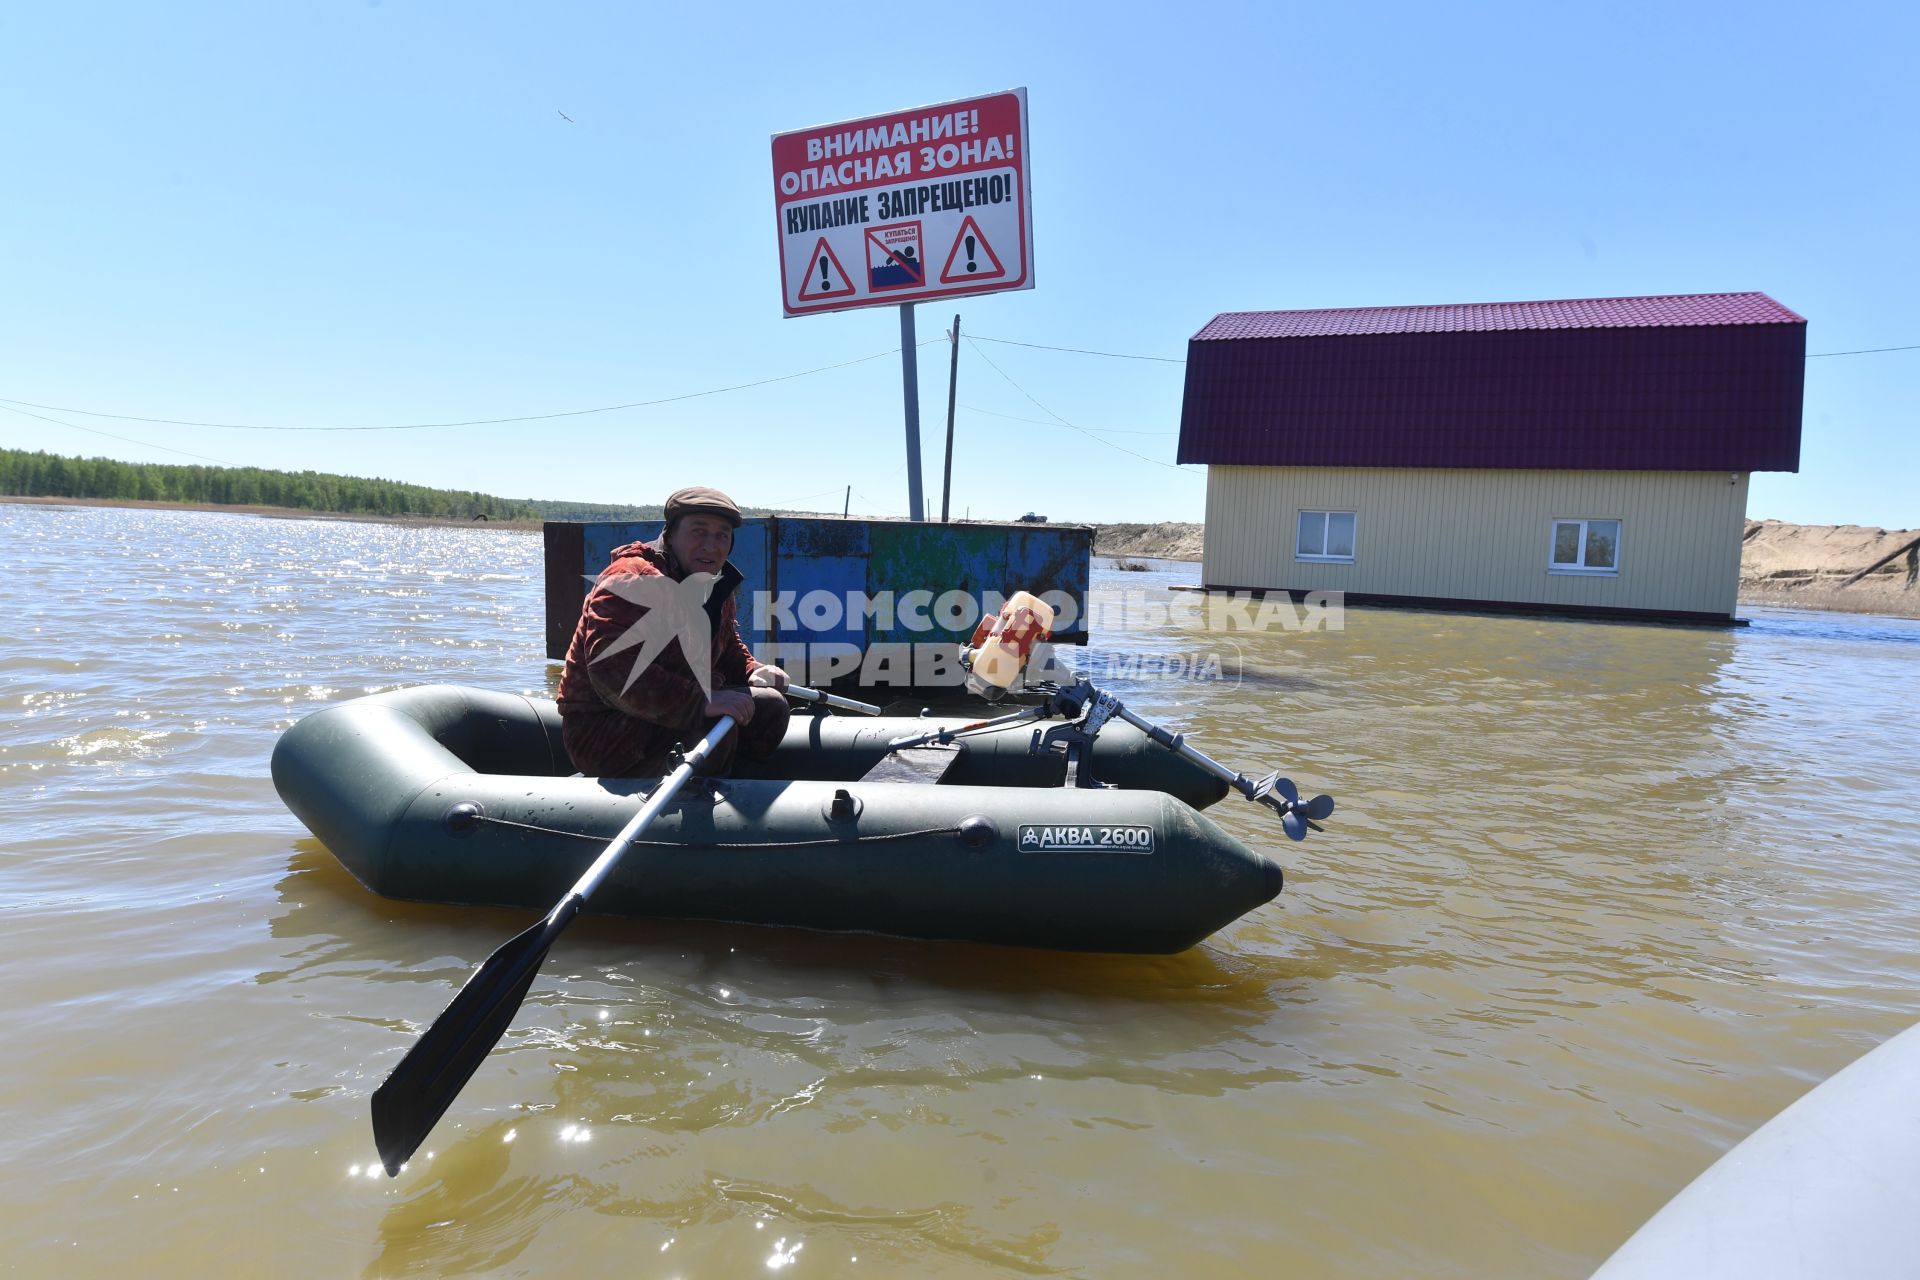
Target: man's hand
(737, 703)
(769, 676)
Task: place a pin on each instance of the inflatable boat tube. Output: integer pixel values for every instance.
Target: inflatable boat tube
(458, 795)
(1826, 1190)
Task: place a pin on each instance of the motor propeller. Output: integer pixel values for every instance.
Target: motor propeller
(1283, 797)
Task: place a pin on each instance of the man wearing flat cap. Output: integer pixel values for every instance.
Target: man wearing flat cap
(657, 655)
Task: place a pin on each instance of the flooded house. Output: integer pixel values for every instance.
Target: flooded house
(1584, 456)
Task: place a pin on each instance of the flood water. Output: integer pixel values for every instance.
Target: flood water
(1598, 900)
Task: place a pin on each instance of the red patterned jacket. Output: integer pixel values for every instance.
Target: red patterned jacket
(609, 726)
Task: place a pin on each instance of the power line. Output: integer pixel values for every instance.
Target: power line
(145, 444)
(793, 504)
(1117, 431)
(1062, 421)
(976, 339)
(476, 422)
(1079, 351)
(1868, 351)
(879, 508)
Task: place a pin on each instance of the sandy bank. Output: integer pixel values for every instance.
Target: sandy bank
(1803, 566)
(1161, 541)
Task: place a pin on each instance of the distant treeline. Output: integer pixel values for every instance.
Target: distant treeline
(47, 475)
(553, 509)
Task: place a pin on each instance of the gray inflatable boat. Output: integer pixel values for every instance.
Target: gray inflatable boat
(1826, 1190)
(461, 795)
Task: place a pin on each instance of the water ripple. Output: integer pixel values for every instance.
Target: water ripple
(1597, 900)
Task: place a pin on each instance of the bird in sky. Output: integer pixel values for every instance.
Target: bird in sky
(563, 115)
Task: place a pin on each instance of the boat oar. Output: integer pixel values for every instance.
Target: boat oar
(805, 694)
(444, 1058)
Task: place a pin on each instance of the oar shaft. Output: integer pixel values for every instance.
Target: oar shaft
(805, 694)
(418, 1091)
(663, 795)
(944, 736)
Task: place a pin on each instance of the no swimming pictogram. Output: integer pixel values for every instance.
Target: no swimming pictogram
(972, 258)
(894, 257)
(825, 277)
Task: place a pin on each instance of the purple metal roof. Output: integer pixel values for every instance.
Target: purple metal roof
(1707, 382)
(1667, 311)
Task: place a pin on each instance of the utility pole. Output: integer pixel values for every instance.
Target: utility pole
(910, 379)
(848, 504)
(953, 382)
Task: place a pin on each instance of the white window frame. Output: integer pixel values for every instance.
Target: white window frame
(1581, 569)
(1325, 520)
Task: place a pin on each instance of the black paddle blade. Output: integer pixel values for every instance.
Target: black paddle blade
(446, 1055)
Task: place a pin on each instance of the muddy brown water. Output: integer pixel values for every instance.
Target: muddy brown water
(1598, 900)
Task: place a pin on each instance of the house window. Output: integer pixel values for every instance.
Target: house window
(1585, 546)
(1325, 535)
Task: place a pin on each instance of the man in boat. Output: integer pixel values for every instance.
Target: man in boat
(628, 694)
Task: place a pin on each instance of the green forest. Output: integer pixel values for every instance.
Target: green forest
(557, 509)
(48, 475)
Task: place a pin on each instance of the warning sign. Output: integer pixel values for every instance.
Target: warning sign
(825, 277)
(894, 260)
(972, 257)
(889, 192)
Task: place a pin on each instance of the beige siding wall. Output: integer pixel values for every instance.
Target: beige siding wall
(1483, 535)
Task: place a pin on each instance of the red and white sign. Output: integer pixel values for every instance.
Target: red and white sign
(922, 204)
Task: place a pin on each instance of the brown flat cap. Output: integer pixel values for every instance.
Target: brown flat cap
(704, 500)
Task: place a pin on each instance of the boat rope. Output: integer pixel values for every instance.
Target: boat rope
(720, 844)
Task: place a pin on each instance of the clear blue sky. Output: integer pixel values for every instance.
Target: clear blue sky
(348, 214)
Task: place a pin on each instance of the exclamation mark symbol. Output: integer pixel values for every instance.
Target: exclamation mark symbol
(971, 264)
(826, 277)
